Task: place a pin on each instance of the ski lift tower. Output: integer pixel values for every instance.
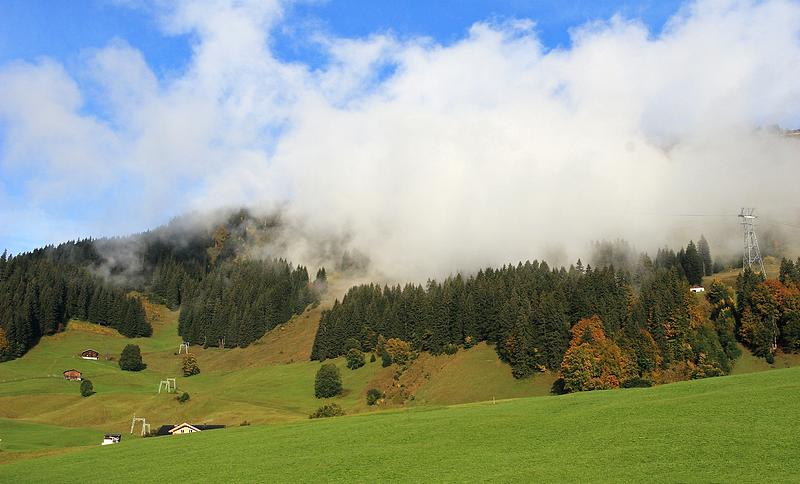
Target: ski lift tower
(752, 254)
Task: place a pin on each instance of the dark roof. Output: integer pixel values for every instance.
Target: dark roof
(164, 429)
(67, 371)
(115, 436)
(208, 427)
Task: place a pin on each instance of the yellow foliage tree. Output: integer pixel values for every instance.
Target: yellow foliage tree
(398, 350)
(594, 362)
(4, 344)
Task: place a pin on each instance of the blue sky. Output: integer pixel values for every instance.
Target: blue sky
(58, 29)
(116, 116)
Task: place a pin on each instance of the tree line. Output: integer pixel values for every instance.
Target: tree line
(238, 302)
(656, 328)
(694, 261)
(39, 294)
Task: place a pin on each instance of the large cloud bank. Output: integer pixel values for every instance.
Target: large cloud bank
(429, 158)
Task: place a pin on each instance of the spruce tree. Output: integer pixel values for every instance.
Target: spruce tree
(704, 252)
(131, 359)
(552, 329)
(87, 389)
(692, 265)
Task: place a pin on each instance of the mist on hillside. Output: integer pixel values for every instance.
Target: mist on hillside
(428, 158)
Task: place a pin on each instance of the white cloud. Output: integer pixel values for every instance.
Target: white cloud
(436, 158)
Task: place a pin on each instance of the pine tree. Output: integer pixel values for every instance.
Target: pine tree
(552, 329)
(190, 366)
(321, 281)
(789, 272)
(87, 389)
(692, 265)
(131, 358)
(524, 354)
(704, 252)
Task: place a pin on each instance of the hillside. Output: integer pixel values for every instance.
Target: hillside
(737, 428)
(269, 381)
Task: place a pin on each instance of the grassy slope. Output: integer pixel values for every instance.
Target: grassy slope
(771, 265)
(747, 363)
(235, 385)
(19, 435)
(270, 381)
(256, 384)
(476, 375)
(739, 428)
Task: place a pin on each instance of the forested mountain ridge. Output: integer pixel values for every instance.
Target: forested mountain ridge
(232, 299)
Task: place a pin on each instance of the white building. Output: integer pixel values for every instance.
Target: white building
(110, 439)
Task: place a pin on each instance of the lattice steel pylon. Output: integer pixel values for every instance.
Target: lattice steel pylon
(752, 254)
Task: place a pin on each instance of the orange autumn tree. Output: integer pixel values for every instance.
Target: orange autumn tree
(398, 350)
(5, 347)
(594, 362)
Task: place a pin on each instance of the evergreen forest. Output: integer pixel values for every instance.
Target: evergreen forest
(227, 298)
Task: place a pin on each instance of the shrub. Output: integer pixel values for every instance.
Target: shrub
(87, 389)
(373, 395)
(329, 410)
(636, 383)
(183, 397)
(469, 342)
(557, 388)
(372, 358)
(190, 365)
(244, 423)
(450, 349)
(328, 382)
(131, 359)
(355, 359)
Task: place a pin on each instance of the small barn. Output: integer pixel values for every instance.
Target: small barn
(110, 439)
(90, 354)
(72, 375)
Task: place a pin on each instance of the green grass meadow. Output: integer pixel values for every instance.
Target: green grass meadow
(32, 388)
(739, 428)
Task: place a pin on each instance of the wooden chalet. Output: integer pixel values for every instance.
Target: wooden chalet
(74, 375)
(90, 354)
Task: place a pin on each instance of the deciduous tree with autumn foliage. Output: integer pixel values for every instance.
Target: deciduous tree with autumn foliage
(593, 361)
(769, 312)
